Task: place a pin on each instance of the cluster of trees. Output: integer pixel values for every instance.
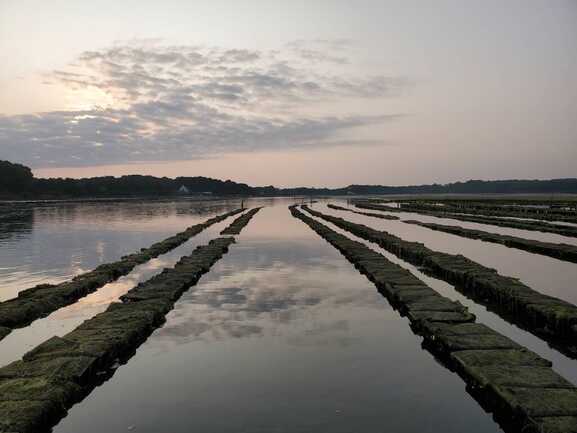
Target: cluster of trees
(136, 185)
(15, 178)
(17, 181)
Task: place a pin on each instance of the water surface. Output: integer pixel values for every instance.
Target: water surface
(282, 335)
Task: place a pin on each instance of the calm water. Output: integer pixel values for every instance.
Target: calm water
(283, 335)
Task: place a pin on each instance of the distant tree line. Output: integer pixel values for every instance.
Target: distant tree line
(553, 186)
(136, 185)
(17, 181)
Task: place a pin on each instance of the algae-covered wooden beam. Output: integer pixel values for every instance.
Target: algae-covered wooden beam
(564, 252)
(538, 226)
(40, 301)
(551, 318)
(36, 391)
(539, 213)
(515, 383)
(370, 214)
(239, 223)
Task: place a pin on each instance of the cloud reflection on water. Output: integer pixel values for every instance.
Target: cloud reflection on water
(292, 283)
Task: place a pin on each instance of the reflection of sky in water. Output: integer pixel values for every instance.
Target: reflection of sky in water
(283, 335)
(247, 300)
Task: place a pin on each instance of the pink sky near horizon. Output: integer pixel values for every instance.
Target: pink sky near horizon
(317, 168)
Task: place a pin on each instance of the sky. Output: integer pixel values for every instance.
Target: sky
(299, 93)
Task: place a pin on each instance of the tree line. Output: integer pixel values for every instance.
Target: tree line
(18, 182)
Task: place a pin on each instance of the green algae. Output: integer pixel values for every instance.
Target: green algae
(525, 376)
(239, 223)
(370, 214)
(503, 357)
(553, 424)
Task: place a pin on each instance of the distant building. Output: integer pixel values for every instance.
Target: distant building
(183, 190)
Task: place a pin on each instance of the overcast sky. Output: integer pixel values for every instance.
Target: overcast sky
(291, 93)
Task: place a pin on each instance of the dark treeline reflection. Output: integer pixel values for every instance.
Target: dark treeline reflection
(15, 222)
(24, 215)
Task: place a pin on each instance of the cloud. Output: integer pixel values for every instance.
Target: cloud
(155, 102)
(321, 50)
